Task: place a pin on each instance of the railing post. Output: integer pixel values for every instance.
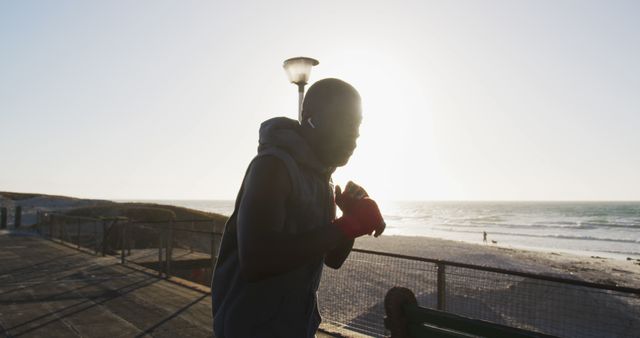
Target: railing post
(40, 221)
(441, 287)
(190, 243)
(169, 251)
(104, 238)
(95, 238)
(3, 218)
(60, 232)
(123, 240)
(215, 244)
(129, 237)
(37, 227)
(50, 221)
(18, 217)
(160, 246)
(213, 253)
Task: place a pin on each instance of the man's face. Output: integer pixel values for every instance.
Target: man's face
(336, 131)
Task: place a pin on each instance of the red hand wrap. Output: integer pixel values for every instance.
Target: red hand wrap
(345, 201)
(363, 217)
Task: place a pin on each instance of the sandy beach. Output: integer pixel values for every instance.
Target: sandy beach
(595, 269)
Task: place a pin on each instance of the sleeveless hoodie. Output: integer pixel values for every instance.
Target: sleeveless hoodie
(284, 305)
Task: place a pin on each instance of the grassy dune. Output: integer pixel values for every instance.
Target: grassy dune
(183, 217)
(71, 206)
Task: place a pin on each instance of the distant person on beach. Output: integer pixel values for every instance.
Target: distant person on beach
(284, 228)
(484, 236)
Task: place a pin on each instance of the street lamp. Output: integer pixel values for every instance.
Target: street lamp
(298, 70)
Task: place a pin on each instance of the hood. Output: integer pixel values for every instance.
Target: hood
(284, 133)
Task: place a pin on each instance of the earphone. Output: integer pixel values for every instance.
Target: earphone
(311, 123)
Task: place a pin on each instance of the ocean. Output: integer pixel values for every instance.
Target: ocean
(607, 229)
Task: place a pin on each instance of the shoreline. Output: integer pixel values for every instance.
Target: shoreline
(560, 242)
(544, 250)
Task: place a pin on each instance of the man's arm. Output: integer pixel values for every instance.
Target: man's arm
(264, 250)
(336, 257)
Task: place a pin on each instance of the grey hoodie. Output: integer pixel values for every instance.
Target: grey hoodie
(284, 305)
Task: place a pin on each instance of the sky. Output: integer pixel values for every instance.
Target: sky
(462, 100)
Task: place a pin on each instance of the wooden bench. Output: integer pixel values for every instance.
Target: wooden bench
(405, 319)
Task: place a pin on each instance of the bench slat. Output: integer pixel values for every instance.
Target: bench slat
(418, 315)
(427, 331)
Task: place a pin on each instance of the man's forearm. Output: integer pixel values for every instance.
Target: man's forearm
(273, 253)
(339, 254)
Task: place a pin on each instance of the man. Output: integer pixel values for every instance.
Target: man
(283, 228)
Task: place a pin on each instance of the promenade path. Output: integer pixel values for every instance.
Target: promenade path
(50, 290)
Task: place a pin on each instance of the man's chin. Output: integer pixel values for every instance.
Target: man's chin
(342, 162)
(337, 159)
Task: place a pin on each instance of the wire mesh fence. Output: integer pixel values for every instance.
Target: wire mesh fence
(177, 248)
(560, 309)
(83, 232)
(351, 299)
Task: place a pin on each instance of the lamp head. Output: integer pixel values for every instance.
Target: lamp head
(299, 69)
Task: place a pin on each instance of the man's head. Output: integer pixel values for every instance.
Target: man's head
(331, 116)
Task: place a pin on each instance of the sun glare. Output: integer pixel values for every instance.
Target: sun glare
(397, 139)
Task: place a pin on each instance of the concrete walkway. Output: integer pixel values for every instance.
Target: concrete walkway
(51, 290)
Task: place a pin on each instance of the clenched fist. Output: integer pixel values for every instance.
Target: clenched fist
(361, 214)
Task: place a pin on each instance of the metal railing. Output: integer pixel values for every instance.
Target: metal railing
(351, 298)
(172, 248)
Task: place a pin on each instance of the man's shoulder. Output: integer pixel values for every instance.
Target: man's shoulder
(269, 171)
(269, 163)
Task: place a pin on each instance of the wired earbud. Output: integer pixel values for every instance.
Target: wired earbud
(311, 123)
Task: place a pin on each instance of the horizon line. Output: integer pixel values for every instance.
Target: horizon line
(130, 199)
(397, 200)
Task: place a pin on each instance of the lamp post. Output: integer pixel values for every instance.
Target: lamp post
(298, 70)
